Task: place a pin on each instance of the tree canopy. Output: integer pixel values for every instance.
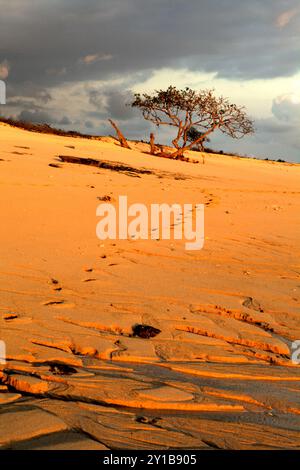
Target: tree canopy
(186, 109)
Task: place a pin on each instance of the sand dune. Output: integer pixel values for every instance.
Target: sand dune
(219, 375)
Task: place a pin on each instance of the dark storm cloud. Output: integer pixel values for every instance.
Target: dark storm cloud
(118, 105)
(89, 125)
(46, 46)
(270, 126)
(36, 117)
(135, 128)
(112, 102)
(50, 42)
(65, 121)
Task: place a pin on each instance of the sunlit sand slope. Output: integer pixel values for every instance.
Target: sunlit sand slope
(219, 375)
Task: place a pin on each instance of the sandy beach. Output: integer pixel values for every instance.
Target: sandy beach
(219, 375)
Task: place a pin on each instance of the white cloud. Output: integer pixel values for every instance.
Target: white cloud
(93, 58)
(285, 18)
(4, 69)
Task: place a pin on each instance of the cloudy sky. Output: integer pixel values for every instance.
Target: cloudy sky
(74, 63)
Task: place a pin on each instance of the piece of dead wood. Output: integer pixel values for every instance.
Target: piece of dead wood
(171, 157)
(105, 164)
(121, 137)
(153, 148)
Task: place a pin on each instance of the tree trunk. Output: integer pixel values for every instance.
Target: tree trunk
(121, 137)
(175, 142)
(179, 153)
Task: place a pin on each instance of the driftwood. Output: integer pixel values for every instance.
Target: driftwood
(121, 137)
(153, 148)
(107, 165)
(159, 152)
(178, 157)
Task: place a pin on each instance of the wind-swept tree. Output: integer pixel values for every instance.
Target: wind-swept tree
(186, 109)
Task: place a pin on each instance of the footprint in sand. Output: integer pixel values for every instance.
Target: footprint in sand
(146, 420)
(252, 304)
(55, 283)
(55, 165)
(105, 198)
(10, 316)
(53, 302)
(58, 303)
(19, 153)
(88, 270)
